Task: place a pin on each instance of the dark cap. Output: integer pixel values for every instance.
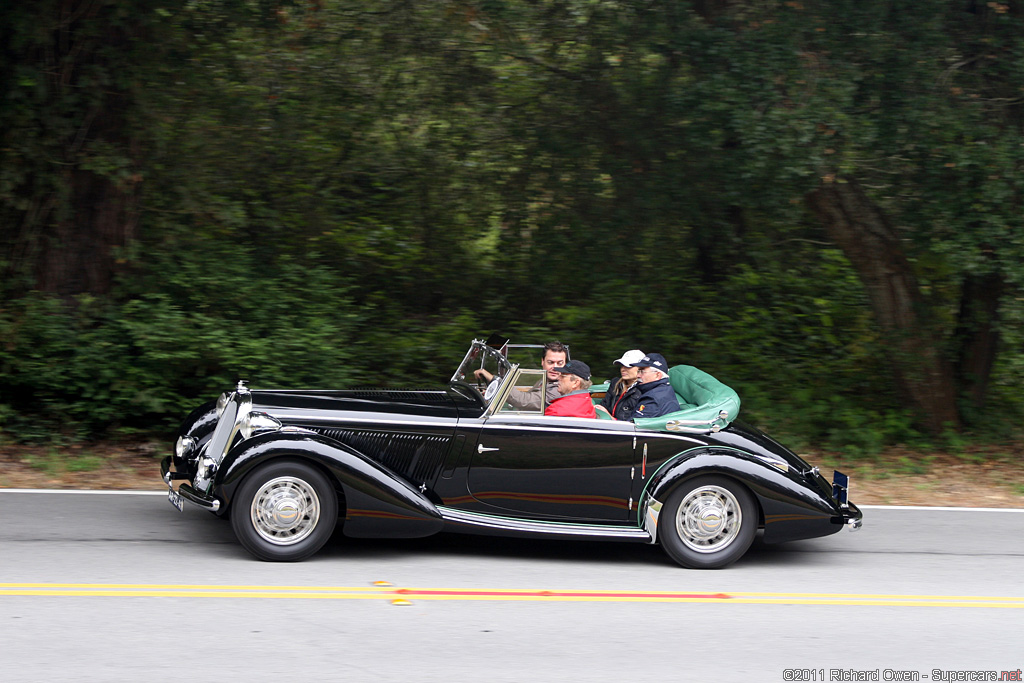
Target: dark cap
(574, 367)
(653, 360)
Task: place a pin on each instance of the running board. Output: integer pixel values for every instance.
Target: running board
(524, 527)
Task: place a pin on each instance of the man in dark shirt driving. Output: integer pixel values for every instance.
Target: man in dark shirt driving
(555, 355)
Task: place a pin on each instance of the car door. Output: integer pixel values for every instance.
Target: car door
(536, 466)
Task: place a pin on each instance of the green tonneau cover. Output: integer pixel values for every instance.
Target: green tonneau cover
(702, 401)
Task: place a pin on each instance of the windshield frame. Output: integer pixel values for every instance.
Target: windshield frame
(481, 355)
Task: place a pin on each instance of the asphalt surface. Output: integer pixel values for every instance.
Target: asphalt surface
(108, 587)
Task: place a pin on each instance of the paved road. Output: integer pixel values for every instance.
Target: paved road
(124, 588)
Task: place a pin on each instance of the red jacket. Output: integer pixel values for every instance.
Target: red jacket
(572, 405)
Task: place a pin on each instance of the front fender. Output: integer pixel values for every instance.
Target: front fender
(791, 507)
(377, 502)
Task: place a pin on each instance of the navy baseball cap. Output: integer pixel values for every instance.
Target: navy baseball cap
(574, 367)
(653, 360)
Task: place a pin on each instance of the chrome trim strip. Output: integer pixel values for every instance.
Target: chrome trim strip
(560, 430)
(292, 429)
(541, 527)
(335, 392)
(775, 462)
(492, 422)
(676, 437)
(361, 419)
(689, 430)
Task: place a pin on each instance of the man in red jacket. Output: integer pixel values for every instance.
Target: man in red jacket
(573, 385)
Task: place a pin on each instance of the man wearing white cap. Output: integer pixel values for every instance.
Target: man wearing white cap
(624, 393)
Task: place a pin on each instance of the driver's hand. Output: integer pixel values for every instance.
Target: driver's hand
(480, 373)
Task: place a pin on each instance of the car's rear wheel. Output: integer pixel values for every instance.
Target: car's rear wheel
(284, 511)
(708, 522)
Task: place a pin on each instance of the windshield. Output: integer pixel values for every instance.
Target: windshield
(492, 367)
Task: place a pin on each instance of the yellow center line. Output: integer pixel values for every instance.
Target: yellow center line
(480, 594)
(191, 586)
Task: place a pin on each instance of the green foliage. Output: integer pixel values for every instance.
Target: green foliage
(337, 194)
(49, 463)
(79, 368)
(85, 462)
(54, 462)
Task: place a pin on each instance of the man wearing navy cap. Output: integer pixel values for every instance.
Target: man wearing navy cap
(573, 385)
(657, 397)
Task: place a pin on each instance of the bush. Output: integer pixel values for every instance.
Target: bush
(91, 365)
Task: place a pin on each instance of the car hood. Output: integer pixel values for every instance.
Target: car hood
(297, 406)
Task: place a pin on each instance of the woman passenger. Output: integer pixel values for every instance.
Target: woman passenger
(624, 393)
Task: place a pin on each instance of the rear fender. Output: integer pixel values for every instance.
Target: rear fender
(377, 502)
(790, 506)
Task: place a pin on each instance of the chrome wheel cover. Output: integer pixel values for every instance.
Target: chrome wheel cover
(285, 510)
(709, 519)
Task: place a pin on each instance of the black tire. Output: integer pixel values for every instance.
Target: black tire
(284, 511)
(708, 522)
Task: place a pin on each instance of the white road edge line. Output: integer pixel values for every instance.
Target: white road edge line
(87, 492)
(922, 508)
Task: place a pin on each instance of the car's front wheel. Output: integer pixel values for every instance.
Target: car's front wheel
(708, 522)
(284, 511)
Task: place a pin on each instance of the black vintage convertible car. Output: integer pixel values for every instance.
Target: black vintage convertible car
(291, 466)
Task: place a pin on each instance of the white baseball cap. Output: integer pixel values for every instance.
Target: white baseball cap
(630, 357)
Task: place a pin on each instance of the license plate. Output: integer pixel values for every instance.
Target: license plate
(175, 499)
(841, 487)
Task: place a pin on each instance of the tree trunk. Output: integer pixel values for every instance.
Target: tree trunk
(925, 378)
(77, 253)
(80, 191)
(977, 338)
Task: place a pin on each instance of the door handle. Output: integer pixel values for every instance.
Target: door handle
(480, 448)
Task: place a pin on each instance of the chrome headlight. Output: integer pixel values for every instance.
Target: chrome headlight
(222, 403)
(204, 473)
(184, 447)
(257, 423)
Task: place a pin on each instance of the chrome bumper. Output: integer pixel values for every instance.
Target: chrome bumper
(853, 518)
(186, 490)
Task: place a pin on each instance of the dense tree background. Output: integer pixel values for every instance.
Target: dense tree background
(817, 202)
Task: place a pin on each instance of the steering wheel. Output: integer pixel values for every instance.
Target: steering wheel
(491, 389)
